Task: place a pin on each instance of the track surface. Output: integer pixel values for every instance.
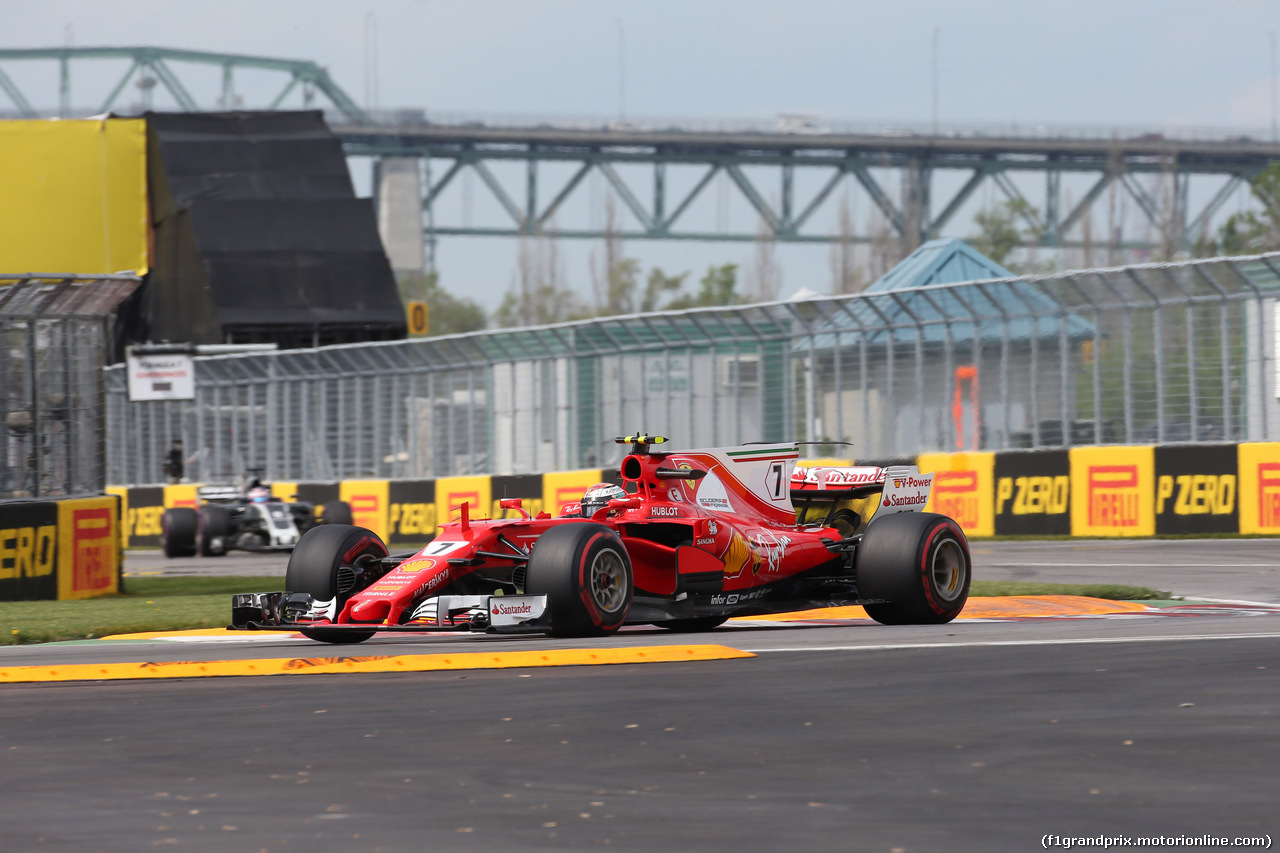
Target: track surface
(970, 736)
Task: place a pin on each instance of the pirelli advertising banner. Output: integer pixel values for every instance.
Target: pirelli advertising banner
(370, 504)
(566, 487)
(142, 512)
(59, 549)
(526, 487)
(317, 494)
(1197, 489)
(88, 547)
(412, 516)
(28, 550)
(1033, 493)
(1259, 472)
(962, 489)
(1113, 491)
(453, 492)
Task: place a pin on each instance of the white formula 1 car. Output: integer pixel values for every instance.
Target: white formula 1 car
(228, 519)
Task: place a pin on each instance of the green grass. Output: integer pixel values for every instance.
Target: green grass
(179, 603)
(1113, 592)
(149, 604)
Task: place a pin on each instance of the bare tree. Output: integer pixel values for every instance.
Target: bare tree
(1086, 236)
(538, 294)
(884, 249)
(847, 274)
(765, 278)
(1115, 168)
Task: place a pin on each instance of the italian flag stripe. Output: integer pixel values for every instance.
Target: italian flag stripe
(764, 451)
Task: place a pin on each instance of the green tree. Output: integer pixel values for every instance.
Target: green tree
(998, 232)
(659, 287)
(717, 287)
(449, 314)
(620, 283)
(537, 296)
(1253, 231)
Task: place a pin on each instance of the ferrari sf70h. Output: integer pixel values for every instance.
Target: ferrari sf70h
(698, 537)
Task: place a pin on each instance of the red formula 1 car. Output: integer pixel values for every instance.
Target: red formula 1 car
(700, 536)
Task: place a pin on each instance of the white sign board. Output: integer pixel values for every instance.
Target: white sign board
(171, 376)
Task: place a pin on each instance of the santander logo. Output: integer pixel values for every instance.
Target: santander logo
(907, 500)
(500, 609)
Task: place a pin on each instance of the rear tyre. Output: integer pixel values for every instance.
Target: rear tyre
(692, 626)
(215, 527)
(178, 528)
(336, 512)
(585, 572)
(322, 564)
(917, 565)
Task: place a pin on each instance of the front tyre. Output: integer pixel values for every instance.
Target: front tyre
(916, 566)
(326, 564)
(584, 571)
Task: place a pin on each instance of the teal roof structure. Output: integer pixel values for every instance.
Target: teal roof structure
(946, 288)
(939, 262)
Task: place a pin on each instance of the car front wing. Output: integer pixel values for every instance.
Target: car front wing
(493, 614)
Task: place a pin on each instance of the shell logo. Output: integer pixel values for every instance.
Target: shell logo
(416, 565)
(738, 557)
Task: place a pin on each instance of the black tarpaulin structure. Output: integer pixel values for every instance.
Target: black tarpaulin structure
(259, 236)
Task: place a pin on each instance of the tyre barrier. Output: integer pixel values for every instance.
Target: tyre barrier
(60, 549)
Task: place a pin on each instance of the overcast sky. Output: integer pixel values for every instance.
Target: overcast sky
(1103, 63)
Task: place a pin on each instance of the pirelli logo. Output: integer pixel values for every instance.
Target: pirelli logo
(572, 494)
(92, 548)
(455, 501)
(1114, 499)
(955, 493)
(362, 504)
(1269, 494)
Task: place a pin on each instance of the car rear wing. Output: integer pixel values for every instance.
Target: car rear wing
(902, 487)
(218, 493)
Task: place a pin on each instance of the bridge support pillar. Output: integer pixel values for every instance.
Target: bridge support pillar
(398, 200)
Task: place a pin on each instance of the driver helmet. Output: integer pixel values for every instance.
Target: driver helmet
(259, 494)
(599, 495)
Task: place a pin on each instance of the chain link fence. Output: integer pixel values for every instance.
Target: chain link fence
(1151, 353)
(56, 335)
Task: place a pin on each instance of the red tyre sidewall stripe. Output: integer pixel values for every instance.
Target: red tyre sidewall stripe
(584, 583)
(359, 547)
(925, 571)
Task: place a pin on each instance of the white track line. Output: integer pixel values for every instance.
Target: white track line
(977, 643)
(1199, 599)
(1095, 564)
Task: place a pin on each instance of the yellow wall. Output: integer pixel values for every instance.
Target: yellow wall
(75, 196)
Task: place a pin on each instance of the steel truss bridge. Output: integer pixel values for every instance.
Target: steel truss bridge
(898, 171)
